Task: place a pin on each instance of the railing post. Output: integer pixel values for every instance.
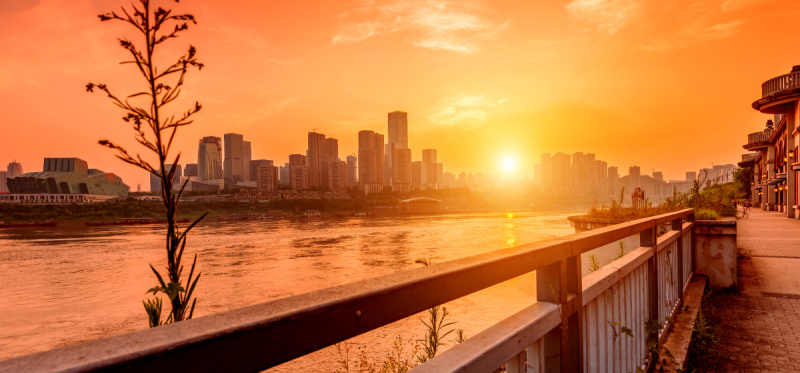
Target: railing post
(690, 219)
(548, 289)
(647, 238)
(563, 350)
(677, 224)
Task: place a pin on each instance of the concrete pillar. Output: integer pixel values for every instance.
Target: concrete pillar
(769, 190)
(791, 178)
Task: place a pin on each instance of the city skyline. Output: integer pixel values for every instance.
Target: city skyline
(508, 79)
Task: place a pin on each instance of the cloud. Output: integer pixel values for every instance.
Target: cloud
(719, 31)
(463, 109)
(603, 16)
(456, 26)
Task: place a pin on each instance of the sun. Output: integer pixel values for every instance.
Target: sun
(509, 164)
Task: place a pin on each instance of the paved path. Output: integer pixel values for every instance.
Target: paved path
(761, 330)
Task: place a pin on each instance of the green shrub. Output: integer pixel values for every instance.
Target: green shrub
(706, 214)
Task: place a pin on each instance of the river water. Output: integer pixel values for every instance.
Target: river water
(71, 284)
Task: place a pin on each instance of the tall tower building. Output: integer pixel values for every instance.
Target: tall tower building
(254, 165)
(397, 133)
(634, 178)
(429, 157)
(247, 156)
(3, 183)
(298, 172)
(401, 168)
(316, 147)
(155, 181)
(234, 167)
(370, 161)
(14, 169)
(209, 158)
(352, 171)
(613, 179)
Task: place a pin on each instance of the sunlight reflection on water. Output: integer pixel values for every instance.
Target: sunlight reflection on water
(73, 284)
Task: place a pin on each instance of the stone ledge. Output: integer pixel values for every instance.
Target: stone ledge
(679, 335)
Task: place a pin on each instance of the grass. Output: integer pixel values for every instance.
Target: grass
(704, 354)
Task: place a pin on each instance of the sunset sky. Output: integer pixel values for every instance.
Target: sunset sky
(665, 85)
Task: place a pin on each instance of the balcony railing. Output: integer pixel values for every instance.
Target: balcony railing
(759, 138)
(749, 157)
(781, 83)
(571, 325)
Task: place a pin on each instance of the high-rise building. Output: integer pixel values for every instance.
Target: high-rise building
(352, 171)
(537, 174)
(634, 178)
(233, 165)
(190, 170)
(329, 154)
(401, 168)
(438, 174)
(247, 156)
(3, 185)
(449, 180)
(397, 138)
(298, 172)
(14, 169)
(658, 176)
(155, 181)
(613, 179)
(429, 157)
(338, 176)
(284, 174)
(266, 177)
(209, 158)
(316, 147)
(370, 161)
(601, 175)
(419, 174)
(691, 176)
(254, 165)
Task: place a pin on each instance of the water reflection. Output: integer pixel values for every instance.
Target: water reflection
(72, 284)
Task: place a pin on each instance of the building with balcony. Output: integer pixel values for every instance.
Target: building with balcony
(774, 149)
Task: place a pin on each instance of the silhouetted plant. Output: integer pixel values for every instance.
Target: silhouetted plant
(156, 26)
(435, 327)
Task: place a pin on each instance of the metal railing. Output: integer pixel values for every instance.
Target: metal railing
(568, 327)
(759, 137)
(781, 83)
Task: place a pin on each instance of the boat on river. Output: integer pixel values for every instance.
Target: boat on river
(134, 221)
(31, 224)
(309, 214)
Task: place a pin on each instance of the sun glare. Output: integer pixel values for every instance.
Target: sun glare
(509, 164)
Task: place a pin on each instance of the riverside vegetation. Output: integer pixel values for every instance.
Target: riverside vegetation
(155, 129)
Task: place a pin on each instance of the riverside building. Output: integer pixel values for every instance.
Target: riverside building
(64, 180)
(774, 160)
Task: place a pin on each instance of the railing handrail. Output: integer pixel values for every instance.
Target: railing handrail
(268, 334)
(496, 345)
(780, 83)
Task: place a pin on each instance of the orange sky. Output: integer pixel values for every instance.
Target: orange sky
(664, 85)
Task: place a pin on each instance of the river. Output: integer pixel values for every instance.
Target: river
(71, 284)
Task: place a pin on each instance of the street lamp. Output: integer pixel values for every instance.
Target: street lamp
(791, 154)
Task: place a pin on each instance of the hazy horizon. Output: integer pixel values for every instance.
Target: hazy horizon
(661, 86)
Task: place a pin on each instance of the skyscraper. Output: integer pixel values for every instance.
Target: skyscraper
(247, 156)
(14, 169)
(234, 168)
(3, 185)
(155, 181)
(254, 165)
(634, 178)
(190, 170)
(691, 176)
(209, 158)
(284, 174)
(352, 171)
(266, 177)
(397, 133)
(419, 174)
(298, 172)
(429, 158)
(613, 179)
(337, 171)
(401, 167)
(370, 161)
(316, 146)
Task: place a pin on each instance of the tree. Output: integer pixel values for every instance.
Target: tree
(156, 131)
(743, 178)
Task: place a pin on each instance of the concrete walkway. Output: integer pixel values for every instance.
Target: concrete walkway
(760, 331)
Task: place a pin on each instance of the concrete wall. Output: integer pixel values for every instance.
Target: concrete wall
(715, 252)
